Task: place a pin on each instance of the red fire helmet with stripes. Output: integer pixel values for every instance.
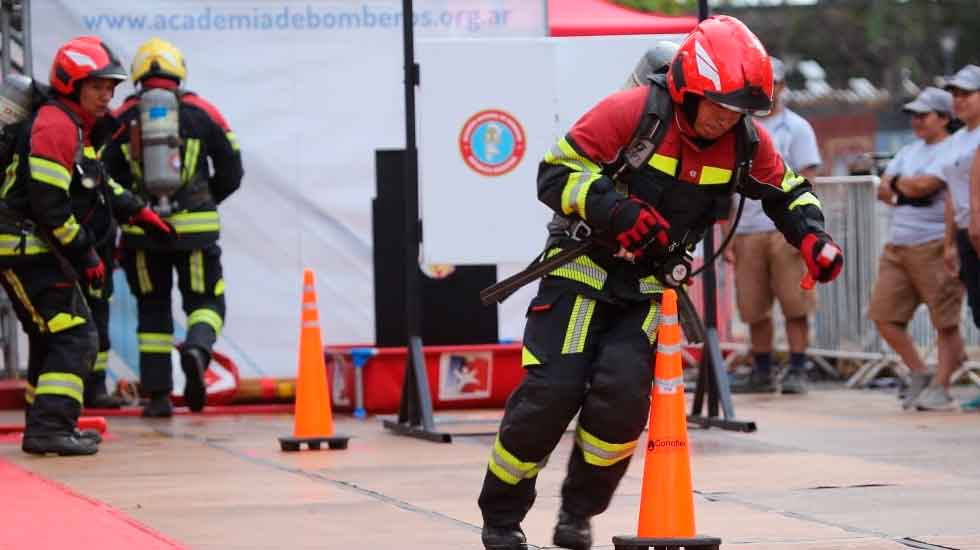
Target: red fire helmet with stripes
(80, 58)
(723, 61)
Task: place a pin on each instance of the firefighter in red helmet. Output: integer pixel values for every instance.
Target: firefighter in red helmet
(649, 169)
(57, 230)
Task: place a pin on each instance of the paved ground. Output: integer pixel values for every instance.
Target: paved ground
(838, 469)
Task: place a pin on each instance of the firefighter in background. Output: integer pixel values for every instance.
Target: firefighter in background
(681, 146)
(162, 151)
(56, 217)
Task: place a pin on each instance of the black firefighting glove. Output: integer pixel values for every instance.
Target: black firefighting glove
(637, 225)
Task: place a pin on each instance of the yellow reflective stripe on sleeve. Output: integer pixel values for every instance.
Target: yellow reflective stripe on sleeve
(804, 199)
(143, 273)
(25, 301)
(584, 173)
(790, 179)
(64, 321)
(155, 342)
(581, 269)
(66, 233)
(667, 165)
(651, 285)
(219, 287)
(601, 453)
(527, 358)
(578, 325)
(116, 188)
(29, 391)
(50, 172)
(232, 139)
(196, 269)
(101, 361)
(185, 222)
(10, 245)
(712, 175)
(60, 383)
(191, 153)
(651, 321)
(510, 469)
(10, 175)
(134, 166)
(206, 316)
(89, 152)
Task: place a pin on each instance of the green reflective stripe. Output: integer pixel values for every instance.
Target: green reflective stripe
(196, 262)
(191, 153)
(581, 269)
(232, 139)
(60, 383)
(116, 188)
(578, 325)
(601, 453)
(667, 165)
(573, 196)
(64, 321)
(101, 361)
(10, 245)
(29, 394)
(651, 322)
(143, 273)
(219, 287)
(651, 285)
(790, 179)
(528, 358)
(207, 316)
(510, 469)
(50, 172)
(10, 176)
(712, 175)
(68, 230)
(134, 166)
(804, 199)
(155, 342)
(25, 301)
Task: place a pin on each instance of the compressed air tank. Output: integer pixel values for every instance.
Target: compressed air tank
(16, 98)
(160, 140)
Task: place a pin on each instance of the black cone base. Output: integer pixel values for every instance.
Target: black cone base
(698, 542)
(292, 444)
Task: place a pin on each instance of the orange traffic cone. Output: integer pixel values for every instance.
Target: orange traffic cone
(667, 500)
(314, 418)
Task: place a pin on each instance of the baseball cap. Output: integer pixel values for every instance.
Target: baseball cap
(778, 69)
(967, 78)
(930, 100)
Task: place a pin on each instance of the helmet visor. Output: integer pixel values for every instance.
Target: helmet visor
(749, 100)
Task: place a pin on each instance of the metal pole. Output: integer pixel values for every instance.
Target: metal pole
(25, 34)
(412, 283)
(5, 41)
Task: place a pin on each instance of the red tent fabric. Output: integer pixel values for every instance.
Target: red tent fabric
(602, 17)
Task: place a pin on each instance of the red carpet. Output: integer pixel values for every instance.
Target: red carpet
(42, 515)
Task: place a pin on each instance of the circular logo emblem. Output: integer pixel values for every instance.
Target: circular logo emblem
(492, 142)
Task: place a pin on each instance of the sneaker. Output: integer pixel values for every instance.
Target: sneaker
(194, 362)
(757, 382)
(918, 382)
(67, 444)
(158, 407)
(971, 405)
(794, 382)
(503, 537)
(935, 398)
(574, 532)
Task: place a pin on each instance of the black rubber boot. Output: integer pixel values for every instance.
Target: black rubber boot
(68, 444)
(96, 396)
(194, 361)
(508, 537)
(574, 532)
(159, 406)
(89, 435)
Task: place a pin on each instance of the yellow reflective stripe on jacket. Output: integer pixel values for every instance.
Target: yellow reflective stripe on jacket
(601, 453)
(143, 273)
(196, 268)
(185, 222)
(581, 269)
(712, 175)
(667, 165)
(10, 245)
(134, 167)
(89, 152)
(578, 325)
(68, 230)
(155, 342)
(804, 199)
(25, 301)
(191, 153)
(50, 172)
(510, 469)
(527, 358)
(232, 139)
(584, 174)
(219, 287)
(10, 175)
(116, 188)
(206, 316)
(651, 285)
(651, 321)
(101, 361)
(29, 391)
(64, 321)
(790, 179)
(60, 383)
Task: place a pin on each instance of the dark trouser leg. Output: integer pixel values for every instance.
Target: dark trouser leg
(95, 388)
(557, 352)
(203, 290)
(150, 278)
(614, 412)
(969, 273)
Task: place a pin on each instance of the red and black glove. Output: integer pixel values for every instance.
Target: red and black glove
(94, 269)
(637, 225)
(824, 259)
(150, 221)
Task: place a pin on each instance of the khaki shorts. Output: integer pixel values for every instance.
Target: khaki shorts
(766, 268)
(913, 275)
